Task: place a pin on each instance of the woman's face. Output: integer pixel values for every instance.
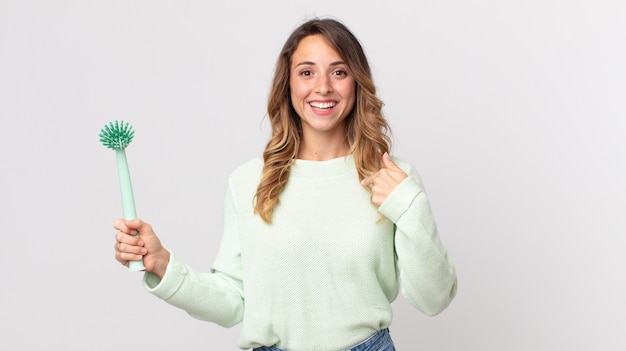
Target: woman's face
(322, 87)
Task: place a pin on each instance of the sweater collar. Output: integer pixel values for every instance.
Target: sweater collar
(320, 169)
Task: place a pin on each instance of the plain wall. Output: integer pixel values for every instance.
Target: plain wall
(512, 111)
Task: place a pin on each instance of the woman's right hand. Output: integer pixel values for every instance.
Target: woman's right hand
(147, 246)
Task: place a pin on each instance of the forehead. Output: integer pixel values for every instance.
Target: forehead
(315, 48)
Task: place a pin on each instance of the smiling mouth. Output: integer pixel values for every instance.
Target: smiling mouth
(322, 105)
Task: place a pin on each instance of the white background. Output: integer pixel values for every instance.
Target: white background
(513, 112)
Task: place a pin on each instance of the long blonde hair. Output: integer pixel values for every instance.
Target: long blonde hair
(367, 131)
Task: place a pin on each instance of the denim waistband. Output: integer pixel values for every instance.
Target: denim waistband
(373, 343)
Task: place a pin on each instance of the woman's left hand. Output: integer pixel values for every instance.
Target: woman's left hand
(384, 181)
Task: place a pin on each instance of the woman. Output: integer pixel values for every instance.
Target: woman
(319, 233)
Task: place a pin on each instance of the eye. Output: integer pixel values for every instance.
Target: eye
(306, 73)
(340, 73)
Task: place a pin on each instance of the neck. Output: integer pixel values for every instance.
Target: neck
(322, 148)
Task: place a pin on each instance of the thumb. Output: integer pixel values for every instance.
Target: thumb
(137, 225)
(388, 162)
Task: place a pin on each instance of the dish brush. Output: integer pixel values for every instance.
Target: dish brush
(116, 136)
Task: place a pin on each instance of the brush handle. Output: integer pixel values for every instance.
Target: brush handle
(128, 200)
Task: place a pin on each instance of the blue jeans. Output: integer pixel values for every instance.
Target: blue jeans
(380, 341)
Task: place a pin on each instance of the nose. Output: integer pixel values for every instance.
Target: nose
(324, 85)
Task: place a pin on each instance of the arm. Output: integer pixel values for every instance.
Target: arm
(427, 275)
(216, 296)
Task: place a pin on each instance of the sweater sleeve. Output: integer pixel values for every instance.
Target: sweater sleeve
(216, 296)
(427, 275)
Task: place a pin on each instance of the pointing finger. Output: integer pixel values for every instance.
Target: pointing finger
(368, 180)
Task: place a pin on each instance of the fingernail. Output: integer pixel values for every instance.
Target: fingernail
(144, 251)
(140, 243)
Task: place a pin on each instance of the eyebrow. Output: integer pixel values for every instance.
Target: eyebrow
(303, 63)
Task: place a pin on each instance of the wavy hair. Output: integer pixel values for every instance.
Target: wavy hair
(367, 131)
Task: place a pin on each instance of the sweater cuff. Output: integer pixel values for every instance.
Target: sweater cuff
(400, 199)
(175, 274)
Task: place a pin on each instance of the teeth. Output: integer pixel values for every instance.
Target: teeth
(322, 104)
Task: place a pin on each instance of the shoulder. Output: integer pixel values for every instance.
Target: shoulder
(254, 165)
(246, 173)
(403, 164)
(408, 168)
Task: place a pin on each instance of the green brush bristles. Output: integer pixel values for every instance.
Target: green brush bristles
(117, 135)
